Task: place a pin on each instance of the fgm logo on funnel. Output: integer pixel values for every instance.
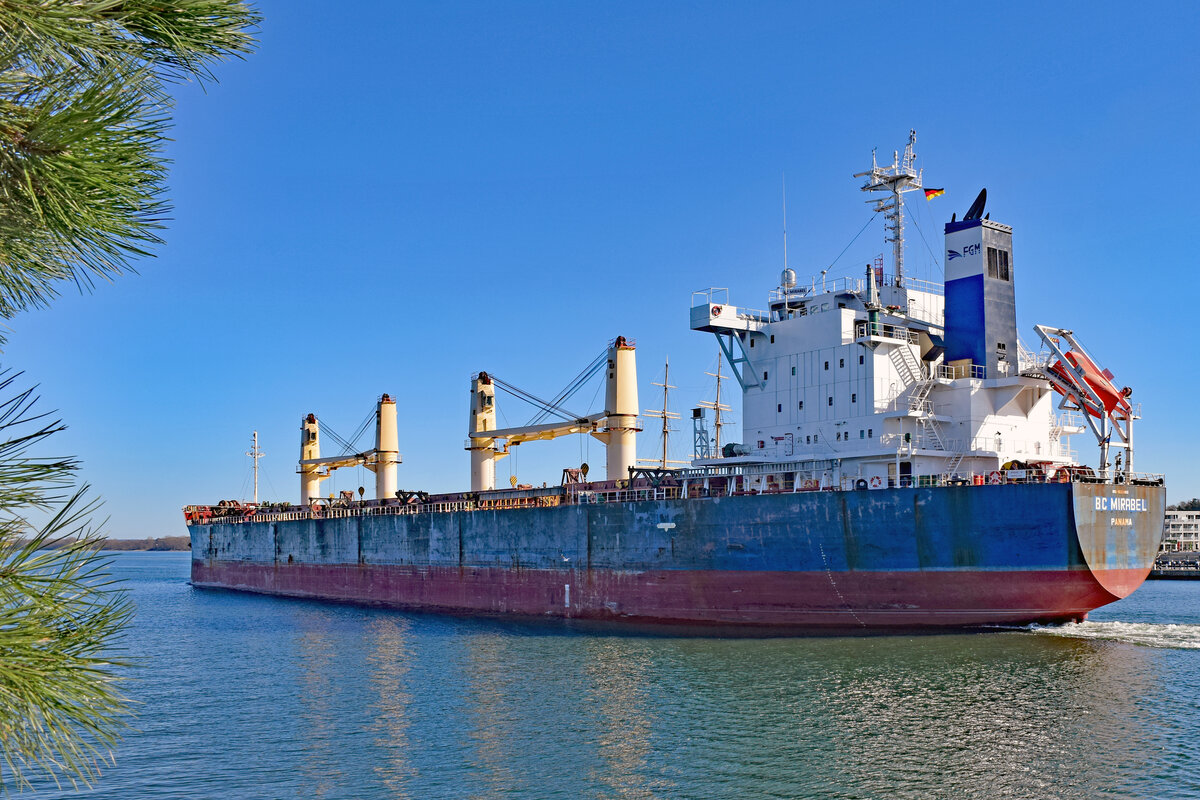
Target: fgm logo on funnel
(969, 250)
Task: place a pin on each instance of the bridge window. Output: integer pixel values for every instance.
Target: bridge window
(779, 408)
(854, 397)
(841, 363)
(860, 359)
(764, 375)
(830, 401)
(793, 370)
(998, 264)
(826, 366)
(801, 406)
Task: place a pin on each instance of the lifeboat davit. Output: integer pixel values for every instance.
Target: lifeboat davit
(1112, 398)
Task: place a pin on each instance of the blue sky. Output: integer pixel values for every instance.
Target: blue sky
(392, 198)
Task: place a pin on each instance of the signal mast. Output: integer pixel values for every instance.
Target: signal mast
(897, 179)
(255, 454)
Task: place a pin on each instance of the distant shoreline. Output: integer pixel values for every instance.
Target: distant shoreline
(160, 544)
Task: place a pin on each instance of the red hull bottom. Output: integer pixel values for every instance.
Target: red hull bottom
(734, 599)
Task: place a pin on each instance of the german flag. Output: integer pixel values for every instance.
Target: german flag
(932, 193)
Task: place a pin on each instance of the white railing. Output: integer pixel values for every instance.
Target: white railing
(798, 475)
(590, 497)
(714, 295)
(1024, 447)
(1027, 360)
(1070, 419)
(864, 328)
(824, 285)
(916, 284)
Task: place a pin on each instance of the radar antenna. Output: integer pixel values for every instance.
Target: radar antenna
(897, 179)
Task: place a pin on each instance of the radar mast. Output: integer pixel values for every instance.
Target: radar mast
(897, 179)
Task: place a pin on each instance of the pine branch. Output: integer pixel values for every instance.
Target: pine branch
(61, 615)
(83, 121)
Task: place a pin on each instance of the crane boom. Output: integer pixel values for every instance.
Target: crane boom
(545, 431)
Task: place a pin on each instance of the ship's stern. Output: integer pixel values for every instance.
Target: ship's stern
(1118, 527)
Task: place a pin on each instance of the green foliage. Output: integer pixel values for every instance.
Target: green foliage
(1186, 505)
(84, 111)
(83, 115)
(60, 615)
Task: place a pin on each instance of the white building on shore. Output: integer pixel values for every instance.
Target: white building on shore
(1181, 531)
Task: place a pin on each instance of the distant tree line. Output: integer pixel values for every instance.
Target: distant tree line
(1186, 505)
(158, 544)
(161, 543)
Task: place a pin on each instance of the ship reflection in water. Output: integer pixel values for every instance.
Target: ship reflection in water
(316, 671)
(388, 663)
(256, 697)
(618, 682)
(536, 713)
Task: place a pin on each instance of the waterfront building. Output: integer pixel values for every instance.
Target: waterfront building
(1181, 531)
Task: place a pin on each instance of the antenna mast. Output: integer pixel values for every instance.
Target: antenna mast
(665, 415)
(785, 264)
(255, 454)
(717, 406)
(897, 179)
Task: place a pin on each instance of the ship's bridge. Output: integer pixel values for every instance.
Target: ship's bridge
(919, 302)
(712, 313)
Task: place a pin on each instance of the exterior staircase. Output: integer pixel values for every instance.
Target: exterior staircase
(915, 375)
(930, 437)
(921, 382)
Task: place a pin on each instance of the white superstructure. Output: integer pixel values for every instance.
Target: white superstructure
(892, 381)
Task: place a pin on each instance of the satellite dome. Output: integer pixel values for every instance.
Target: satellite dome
(788, 278)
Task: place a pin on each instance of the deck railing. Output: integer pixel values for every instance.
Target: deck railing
(712, 482)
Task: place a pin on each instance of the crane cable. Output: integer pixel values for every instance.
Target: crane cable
(349, 446)
(545, 405)
(575, 385)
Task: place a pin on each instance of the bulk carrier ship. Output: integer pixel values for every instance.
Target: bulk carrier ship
(905, 465)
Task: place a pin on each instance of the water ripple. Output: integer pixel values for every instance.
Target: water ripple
(258, 698)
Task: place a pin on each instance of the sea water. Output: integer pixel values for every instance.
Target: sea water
(245, 696)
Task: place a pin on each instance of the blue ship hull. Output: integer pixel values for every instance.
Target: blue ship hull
(922, 557)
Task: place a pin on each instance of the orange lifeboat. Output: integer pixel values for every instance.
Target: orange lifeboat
(1111, 397)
